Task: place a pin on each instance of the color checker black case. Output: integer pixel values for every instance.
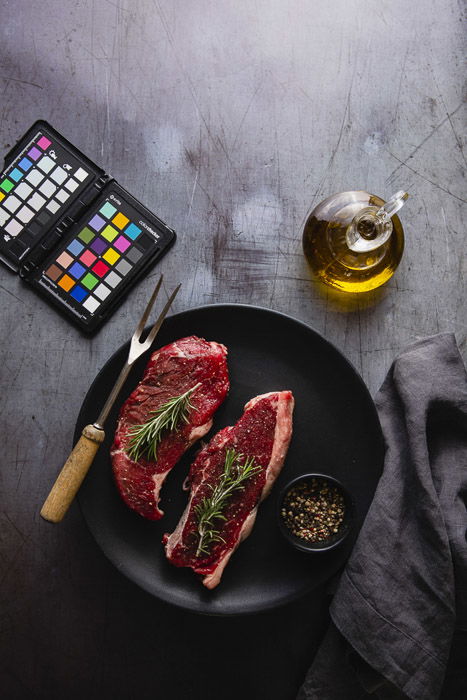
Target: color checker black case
(71, 231)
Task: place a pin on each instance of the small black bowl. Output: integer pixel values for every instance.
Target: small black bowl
(330, 542)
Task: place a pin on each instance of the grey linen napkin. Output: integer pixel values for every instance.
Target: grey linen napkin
(399, 615)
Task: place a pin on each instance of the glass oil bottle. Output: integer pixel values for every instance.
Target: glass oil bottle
(354, 241)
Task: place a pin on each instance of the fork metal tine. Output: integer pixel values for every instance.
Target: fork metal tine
(142, 322)
(158, 323)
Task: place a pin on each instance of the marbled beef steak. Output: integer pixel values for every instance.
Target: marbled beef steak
(171, 371)
(255, 447)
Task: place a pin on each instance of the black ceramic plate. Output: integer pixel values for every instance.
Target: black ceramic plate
(336, 432)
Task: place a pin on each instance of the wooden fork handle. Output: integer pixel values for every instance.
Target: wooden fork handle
(72, 475)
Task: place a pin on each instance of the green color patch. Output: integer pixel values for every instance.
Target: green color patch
(86, 235)
(89, 281)
(7, 185)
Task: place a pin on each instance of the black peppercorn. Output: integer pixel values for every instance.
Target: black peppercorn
(313, 510)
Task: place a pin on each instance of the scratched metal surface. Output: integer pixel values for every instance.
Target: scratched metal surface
(230, 120)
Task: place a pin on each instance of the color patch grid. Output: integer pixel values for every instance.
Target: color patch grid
(35, 188)
(99, 257)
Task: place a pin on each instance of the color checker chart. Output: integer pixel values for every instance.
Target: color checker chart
(36, 189)
(100, 256)
(70, 230)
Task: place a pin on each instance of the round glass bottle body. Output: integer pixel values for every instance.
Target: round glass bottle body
(326, 244)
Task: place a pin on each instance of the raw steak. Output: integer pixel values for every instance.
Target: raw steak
(263, 433)
(171, 371)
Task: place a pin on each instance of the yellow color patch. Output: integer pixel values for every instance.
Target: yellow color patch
(2, 196)
(120, 220)
(111, 256)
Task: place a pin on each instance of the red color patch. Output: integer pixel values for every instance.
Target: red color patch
(100, 268)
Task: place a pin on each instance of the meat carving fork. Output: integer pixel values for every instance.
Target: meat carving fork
(78, 463)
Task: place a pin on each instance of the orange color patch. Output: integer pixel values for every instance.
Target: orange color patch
(120, 220)
(66, 283)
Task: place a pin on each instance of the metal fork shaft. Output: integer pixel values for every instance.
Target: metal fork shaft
(103, 415)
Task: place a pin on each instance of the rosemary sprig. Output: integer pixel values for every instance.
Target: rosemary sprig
(146, 437)
(236, 471)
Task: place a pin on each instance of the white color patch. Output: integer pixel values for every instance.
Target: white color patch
(59, 175)
(62, 195)
(36, 201)
(102, 292)
(53, 206)
(47, 188)
(35, 177)
(81, 174)
(46, 164)
(14, 227)
(71, 185)
(23, 190)
(91, 304)
(25, 214)
(12, 203)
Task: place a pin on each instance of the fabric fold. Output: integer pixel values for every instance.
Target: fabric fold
(404, 589)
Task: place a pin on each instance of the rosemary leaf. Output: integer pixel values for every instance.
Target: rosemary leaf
(145, 437)
(236, 471)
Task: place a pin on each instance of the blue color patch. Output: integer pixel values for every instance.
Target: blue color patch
(78, 293)
(25, 164)
(132, 231)
(77, 270)
(16, 174)
(75, 247)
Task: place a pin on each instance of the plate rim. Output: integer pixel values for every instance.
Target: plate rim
(198, 607)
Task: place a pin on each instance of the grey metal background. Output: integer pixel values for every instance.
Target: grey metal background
(229, 120)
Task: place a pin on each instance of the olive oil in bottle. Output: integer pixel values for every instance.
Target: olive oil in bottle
(353, 241)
